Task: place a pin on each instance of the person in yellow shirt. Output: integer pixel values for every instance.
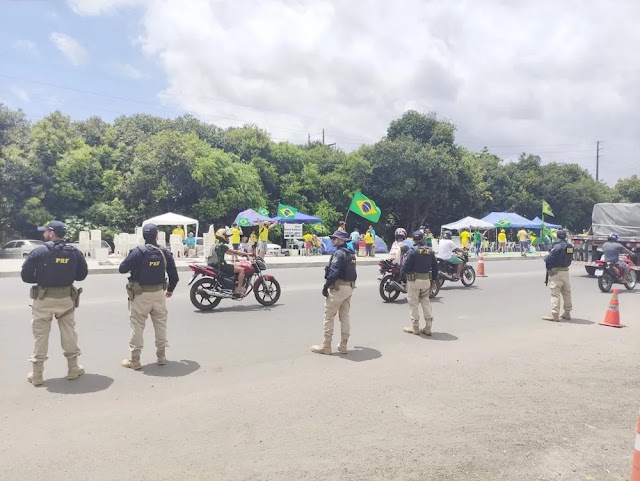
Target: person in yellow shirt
(235, 240)
(263, 237)
(464, 238)
(502, 241)
(523, 237)
(307, 238)
(178, 231)
(369, 242)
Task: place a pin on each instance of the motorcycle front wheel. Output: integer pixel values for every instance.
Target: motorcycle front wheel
(267, 292)
(201, 301)
(605, 282)
(632, 283)
(468, 275)
(388, 296)
(434, 290)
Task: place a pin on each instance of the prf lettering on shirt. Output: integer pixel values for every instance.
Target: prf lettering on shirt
(62, 260)
(154, 263)
(569, 250)
(424, 251)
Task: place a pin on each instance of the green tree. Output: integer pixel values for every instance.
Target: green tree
(627, 190)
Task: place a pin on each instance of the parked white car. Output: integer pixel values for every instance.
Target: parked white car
(19, 248)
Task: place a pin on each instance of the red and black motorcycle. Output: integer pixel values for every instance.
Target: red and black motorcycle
(608, 274)
(214, 286)
(392, 284)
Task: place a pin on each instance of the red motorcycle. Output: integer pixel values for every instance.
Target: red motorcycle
(609, 273)
(213, 286)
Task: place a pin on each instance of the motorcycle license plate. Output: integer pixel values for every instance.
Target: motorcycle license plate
(599, 272)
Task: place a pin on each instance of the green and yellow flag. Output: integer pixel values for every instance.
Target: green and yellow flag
(244, 222)
(365, 207)
(546, 209)
(286, 211)
(263, 211)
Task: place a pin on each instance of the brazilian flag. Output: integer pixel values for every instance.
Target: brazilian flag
(263, 211)
(244, 222)
(504, 223)
(365, 207)
(286, 211)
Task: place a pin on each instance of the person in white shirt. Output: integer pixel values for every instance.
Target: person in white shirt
(399, 248)
(447, 250)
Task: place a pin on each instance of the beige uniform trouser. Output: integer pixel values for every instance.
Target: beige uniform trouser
(560, 284)
(43, 312)
(418, 291)
(338, 302)
(142, 306)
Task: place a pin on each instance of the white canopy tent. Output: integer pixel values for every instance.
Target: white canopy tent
(172, 219)
(469, 223)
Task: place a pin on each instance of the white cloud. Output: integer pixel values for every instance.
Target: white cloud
(27, 46)
(130, 71)
(97, 7)
(518, 76)
(21, 93)
(70, 48)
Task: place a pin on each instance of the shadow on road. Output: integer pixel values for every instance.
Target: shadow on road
(360, 353)
(575, 320)
(455, 287)
(171, 369)
(238, 308)
(85, 384)
(440, 336)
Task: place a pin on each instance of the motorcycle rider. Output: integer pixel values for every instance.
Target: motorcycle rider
(399, 248)
(447, 253)
(558, 262)
(611, 252)
(218, 261)
(421, 269)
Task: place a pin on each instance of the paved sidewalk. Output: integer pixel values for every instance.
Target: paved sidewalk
(11, 267)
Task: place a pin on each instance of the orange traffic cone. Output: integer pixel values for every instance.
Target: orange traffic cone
(612, 319)
(635, 467)
(480, 272)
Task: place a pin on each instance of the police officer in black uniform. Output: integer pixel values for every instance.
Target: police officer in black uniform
(421, 268)
(340, 278)
(54, 267)
(558, 262)
(147, 291)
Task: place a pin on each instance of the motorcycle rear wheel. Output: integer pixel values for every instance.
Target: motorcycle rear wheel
(388, 296)
(468, 275)
(605, 282)
(199, 301)
(267, 292)
(631, 285)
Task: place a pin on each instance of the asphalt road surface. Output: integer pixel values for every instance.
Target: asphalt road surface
(495, 394)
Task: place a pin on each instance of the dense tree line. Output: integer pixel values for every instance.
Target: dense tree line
(113, 175)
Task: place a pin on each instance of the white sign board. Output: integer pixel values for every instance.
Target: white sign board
(292, 231)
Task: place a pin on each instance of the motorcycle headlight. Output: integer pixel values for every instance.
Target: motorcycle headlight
(261, 265)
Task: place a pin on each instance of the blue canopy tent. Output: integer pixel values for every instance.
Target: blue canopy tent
(299, 218)
(538, 223)
(514, 220)
(252, 216)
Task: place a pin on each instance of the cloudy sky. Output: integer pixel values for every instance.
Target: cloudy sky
(541, 76)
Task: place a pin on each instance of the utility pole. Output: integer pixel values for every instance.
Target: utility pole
(309, 140)
(323, 136)
(598, 160)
